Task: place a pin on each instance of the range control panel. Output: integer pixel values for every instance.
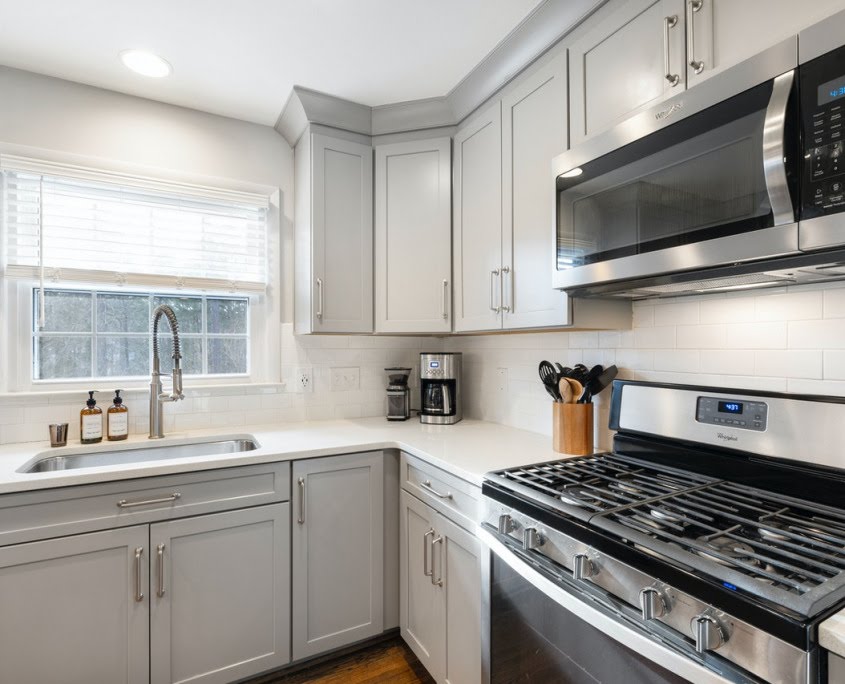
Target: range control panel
(745, 415)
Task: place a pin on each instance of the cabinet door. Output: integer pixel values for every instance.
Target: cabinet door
(413, 268)
(726, 32)
(342, 240)
(619, 66)
(219, 595)
(478, 222)
(338, 551)
(421, 605)
(534, 130)
(458, 573)
(73, 609)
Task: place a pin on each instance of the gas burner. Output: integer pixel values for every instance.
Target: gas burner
(667, 516)
(774, 534)
(627, 487)
(574, 495)
(726, 547)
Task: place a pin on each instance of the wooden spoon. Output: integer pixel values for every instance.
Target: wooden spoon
(576, 389)
(566, 395)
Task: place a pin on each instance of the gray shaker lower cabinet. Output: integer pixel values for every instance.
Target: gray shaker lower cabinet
(219, 595)
(75, 609)
(337, 551)
(440, 599)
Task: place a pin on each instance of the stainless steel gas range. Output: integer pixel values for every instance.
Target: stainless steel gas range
(708, 546)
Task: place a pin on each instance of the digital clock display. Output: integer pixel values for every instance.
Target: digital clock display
(832, 90)
(730, 407)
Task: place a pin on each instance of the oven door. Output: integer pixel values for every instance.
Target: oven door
(545, 628)
(716, 187)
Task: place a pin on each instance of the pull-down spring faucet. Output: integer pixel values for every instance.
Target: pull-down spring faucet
(157, 396)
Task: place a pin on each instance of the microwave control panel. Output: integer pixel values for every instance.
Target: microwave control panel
(733, 413)
(823, 134)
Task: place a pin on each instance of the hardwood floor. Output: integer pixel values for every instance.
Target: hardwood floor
(388, 661)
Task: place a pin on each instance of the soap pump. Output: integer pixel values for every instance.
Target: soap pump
(91, 421)
(117, 416)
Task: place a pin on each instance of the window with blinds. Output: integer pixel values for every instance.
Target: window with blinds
(71, 238)
(72, 229)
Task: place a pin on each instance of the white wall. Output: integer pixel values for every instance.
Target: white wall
(785, 340)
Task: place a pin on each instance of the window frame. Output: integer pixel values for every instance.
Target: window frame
(21, 356)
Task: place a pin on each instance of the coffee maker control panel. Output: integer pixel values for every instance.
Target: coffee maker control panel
(434, 369)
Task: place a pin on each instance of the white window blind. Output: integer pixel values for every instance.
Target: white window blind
(66, 228)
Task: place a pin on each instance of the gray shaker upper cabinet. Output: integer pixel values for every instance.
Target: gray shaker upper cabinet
(413, 237)
(477, 238)
(333, 235)
(721, 33)
(534, 131)
(633, 58)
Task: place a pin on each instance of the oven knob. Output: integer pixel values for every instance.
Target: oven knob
(653, 603)
(582, 567)
(708, 633)
(531, 539)
(506, 524)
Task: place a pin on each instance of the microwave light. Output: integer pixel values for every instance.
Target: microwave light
(572, 173)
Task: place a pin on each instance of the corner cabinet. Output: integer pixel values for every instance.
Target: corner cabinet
(337, 551)
(413, 237)
(333, 235)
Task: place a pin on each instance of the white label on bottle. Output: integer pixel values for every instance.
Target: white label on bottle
(92, 426)
(118, 424)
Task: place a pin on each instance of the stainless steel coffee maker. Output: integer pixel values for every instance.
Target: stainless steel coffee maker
(398, 393)
(440, 387)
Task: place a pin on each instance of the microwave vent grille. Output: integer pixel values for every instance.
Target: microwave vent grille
(726, 283)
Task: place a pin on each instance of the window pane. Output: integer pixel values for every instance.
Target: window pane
(122, 356)
(188, 312)
(227, 316)
(64, 311)
(191, 354)
(62, 357)
(123, 313)
(226, 355)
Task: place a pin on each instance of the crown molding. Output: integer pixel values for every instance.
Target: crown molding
(538, 32)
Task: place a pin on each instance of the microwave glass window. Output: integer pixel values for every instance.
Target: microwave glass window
(692, 184)
(832, 90)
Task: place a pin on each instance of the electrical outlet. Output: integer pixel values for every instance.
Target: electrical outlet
(304, 379)
(346, 379)
(502, 379)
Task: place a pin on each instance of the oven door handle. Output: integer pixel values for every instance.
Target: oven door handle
(774, 152)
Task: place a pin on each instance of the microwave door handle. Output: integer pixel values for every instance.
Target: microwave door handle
(774, 153)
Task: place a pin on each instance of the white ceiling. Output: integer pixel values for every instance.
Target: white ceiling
(241, 58)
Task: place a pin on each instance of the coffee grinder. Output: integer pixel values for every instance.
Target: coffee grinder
(398, 393)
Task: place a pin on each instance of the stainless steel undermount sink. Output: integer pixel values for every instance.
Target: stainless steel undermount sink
(140, 454)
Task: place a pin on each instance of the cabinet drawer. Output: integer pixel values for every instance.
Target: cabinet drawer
(73, 510)
(457, 499)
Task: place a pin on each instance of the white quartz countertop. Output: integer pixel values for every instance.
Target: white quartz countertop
(832, 634)
(467, 450)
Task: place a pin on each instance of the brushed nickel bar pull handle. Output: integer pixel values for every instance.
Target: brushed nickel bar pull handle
(126, 503)
(443, 303)
(427, 486)
(506, 271)
(669, 22)
(493, 275)
(160, 555)
(693, 6)
(320, 298)
(301, 518)
(439, 581)
(426, 571)
(139, 595)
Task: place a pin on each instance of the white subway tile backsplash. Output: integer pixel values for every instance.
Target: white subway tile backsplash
(683, 312)
(655, 338)
(824, 334)
(756, 335)
(701, 336)
(792, 306)
(789, 364)
(727, 310)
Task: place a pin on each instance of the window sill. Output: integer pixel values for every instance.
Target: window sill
(189, 389)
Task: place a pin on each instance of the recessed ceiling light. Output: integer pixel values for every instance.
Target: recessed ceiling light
(146, 63)
(572, 173)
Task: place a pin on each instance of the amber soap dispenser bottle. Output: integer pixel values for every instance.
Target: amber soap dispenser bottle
(91, 421)
(117, 419)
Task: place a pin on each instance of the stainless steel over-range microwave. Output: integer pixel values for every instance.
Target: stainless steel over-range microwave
(736, 183)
